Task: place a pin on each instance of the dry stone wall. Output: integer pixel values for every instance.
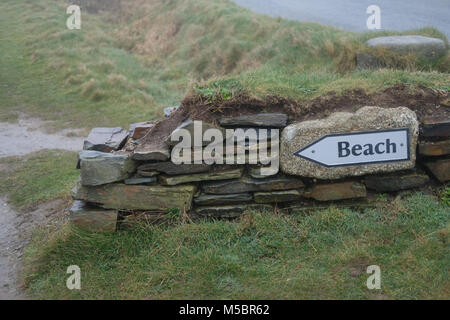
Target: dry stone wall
(344, 158)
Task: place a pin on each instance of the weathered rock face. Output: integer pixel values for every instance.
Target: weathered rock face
(440, 169)
(213, 199)
(212, 175)
(99, 168)
(438, 148)
(93, 218)
(247, 184)
(336, 191)
(278, 196)
(137, 197)
(422, 47)
(267, 120)
(396, 182)
(140, 129)
(105, 139)
(299, 136)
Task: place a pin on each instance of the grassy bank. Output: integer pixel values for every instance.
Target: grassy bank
(319, 255)
(39, 177)
(126, 65)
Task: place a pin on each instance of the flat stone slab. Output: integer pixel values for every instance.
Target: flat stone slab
(350, 130)
(437, 148)
(432, 127)
(140, 129)
(152, 151)
(266, 120)
(141, 180)
(137, 197)
(422, 47)
(213, 199)
(105, 139)
(278, 196)
(196, 177)
(440, 169)
(93, 218)
(396, 182)
(173, 169)
(99, 168)
(247, 184)
(336, 191)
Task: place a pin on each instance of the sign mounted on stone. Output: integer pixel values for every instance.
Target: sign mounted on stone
(358, 148)
(351, 144)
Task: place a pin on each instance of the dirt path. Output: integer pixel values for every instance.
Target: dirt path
(19, 139)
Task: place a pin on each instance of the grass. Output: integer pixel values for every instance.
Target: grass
(125, 65)
(39, 177)
(320, 255)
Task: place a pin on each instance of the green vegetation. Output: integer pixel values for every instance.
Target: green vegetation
(322, 254)
(126, 65)
(39, 177)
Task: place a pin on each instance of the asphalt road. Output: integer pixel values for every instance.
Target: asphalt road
(396, 15)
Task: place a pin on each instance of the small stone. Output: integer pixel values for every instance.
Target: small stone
(336, 191)
(268, 120)
(396, 182)
(438, 148)
(212, 175)
(278, 196)
(105, 139)
(147, 174)
(99, 168)
(93, 218)
(268, 171)
(140, 129)
(137, 197)
(169, 110)
(440, 169)
(432, 127)
(141, 180)
(446, 103)
(422, 47)
(172, 168)
(213, 199)
(247, 184)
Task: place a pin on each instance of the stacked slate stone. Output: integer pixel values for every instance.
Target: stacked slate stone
(124, 180)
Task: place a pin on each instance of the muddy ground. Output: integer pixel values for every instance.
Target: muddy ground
(19, 139)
